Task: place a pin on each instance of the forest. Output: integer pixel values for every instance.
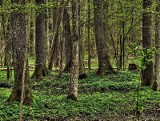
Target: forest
(79, 60)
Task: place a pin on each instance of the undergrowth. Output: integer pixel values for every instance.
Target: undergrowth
(112, 97)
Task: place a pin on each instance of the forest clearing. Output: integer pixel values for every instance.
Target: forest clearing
(79, 60)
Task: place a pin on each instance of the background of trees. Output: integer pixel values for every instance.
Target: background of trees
(74, 35)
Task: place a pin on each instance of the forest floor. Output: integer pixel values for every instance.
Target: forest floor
(115, 97)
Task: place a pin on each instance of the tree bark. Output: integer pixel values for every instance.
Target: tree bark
(147, 72)
(89, 36)
(101, 42)
(6, 31)
(68, 41)
(73, 84)
(54, 55)
(31, 30)
(82, 73)
(40, 67)
(19, 54)
(157, 51)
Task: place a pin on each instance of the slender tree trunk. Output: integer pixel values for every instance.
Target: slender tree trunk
(147, 72)
(31, 30)
(157, 46)
(89, 36)
(54, 55)
(121, 52)
(61, 52)
(82, 73)
(1, 37)
(8, 46)
(40, 67)
(123, 45)
(6, 36)
(101, 42)
(19, 54)
(73, 85)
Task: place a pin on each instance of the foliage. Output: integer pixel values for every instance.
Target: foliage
(100, 97)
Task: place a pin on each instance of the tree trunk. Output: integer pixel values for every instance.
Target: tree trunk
(61, 52)
(1, 37)
(6, 31)
(101, 42)
(68, 41)
(82, 73)
(54, 55)
(147, 72)
(157, 46)
(89, 36)
(19, 54)
(31, 30)
(73, 85)
(40, 67)
(8, 46)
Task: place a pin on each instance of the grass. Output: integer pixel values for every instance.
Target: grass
(112, 97)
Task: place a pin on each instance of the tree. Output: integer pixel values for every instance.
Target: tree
(81, 47)
(31, 29)
(54, 55)
(101, 42)
(20, 61)
(89, 35)
(5, 36)
(68, 40)
(40, 67)
(157, 46)
(73, 85)
(147, 72)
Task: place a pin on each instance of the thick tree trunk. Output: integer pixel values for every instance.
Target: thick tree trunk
(73, 85)
(156, 84)
(147, 72)
(68, 41)
(101, 42)
(40, 67)
(19, 54)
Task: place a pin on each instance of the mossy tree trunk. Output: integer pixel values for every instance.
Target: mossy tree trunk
(40, 67)
(147, 71)
(31, 29)
(101, 42)
(157, 46)
(19, 47)
(89, 35)
(82, 73)
(73, 84)
(68, 41)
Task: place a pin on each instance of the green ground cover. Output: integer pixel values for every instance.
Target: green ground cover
(112, 97)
